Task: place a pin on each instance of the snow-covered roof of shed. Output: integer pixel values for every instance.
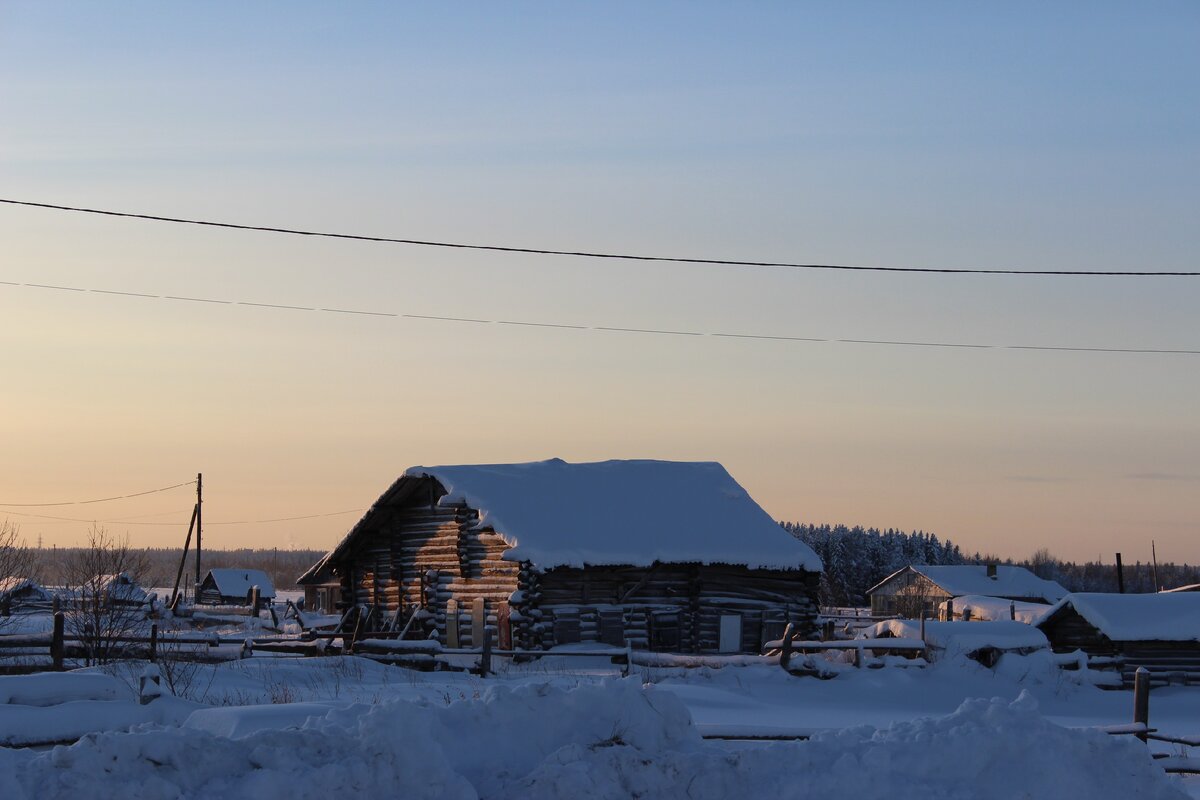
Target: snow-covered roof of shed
(621, 512)
(965, 636)
(14, 584)
(1164, 617)
(237, 582)
(964, 579)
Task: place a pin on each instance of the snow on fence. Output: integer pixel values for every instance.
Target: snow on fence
(37, 651)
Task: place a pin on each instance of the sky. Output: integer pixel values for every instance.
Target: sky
(1006, 135)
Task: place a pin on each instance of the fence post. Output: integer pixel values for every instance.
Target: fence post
(56, 644)
(1141, 699)
(785, 652)
(154, 643)
(1012, 609)
(485, 657)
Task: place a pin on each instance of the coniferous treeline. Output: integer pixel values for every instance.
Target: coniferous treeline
(857, 558)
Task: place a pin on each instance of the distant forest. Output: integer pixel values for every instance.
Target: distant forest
(858, 558)
(283, 566)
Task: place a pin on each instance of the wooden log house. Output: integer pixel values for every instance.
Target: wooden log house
(229, 586)
(1160, 632)
(920, 589)
(665, 556)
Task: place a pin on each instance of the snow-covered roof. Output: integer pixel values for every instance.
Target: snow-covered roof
(622, 512)
(120, 586)
(237, 582)
(965, 637)
(1168, 617)
(612, 512)
(12, 585)
(972, 579)
(999, 609)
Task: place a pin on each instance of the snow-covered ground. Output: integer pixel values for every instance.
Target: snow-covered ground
(292, 727)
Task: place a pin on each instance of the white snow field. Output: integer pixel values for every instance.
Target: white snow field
(299, 728)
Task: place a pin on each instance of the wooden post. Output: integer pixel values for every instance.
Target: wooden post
(485, 656)
(1012, 609)
(154, 643)
(187, 544)
(1120, 576)
(1141, 699)
(827, 630)
(785, 653)
(253, 599)
(56, 644)
(950, 610)
(922, 626)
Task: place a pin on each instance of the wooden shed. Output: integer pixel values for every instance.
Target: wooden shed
(919, 589)
(231, 587)
(661, 555)
(23, 594)
(1160, 632)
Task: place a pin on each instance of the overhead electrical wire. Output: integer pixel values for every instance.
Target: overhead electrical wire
(99, 500)
(614, 329)
(592, 254)
(182, 520)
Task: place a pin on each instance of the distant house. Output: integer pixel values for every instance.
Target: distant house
(1160, 632)
(231, 587)
(917, 590)
(17, 594)
(661, 555)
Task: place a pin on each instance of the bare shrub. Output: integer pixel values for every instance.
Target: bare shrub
(104, 604)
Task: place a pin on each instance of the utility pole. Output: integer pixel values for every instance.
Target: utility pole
(199, 520)
(1154, 557)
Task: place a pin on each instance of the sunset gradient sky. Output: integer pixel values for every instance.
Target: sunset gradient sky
(940, 134)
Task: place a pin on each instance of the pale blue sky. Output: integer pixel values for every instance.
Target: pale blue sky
(936, 134)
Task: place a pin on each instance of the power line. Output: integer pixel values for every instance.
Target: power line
(100, 500)
(590, 254)
(615, 329)
(287, 519)
(182, 520)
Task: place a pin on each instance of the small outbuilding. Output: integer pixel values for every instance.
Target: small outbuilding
(20, 594)
(227, 586)
(659, 555)
(1160, 632)
(119, 589)
(916, 590)
(984, 642)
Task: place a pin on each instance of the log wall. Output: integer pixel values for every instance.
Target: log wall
(415, 556)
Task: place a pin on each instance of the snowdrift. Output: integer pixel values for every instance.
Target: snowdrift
(615, 740)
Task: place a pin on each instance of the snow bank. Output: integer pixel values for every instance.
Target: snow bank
(615, 740)
(997, 609)
(622, 512)
(52, 688)
(966, 637)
